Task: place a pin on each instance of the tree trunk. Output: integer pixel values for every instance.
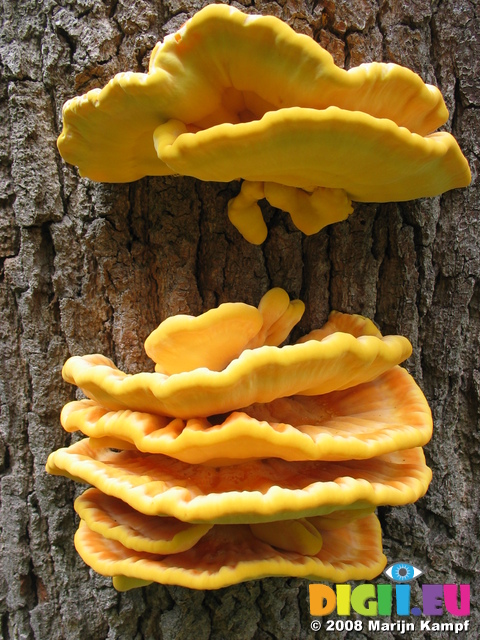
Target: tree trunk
(90, 267)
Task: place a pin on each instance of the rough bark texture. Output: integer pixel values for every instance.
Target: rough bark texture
(93, 268)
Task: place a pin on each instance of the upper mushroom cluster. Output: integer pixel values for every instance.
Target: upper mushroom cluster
(195, 465)
(235, 96)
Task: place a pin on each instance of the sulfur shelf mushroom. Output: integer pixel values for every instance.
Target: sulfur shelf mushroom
(295, 151)
(387, 414)
(234, 96)
(215, 338)
(287, 484)
(253, 491)
(115, 520)
(363, 420)
(349, 351)
(202, 76)
(337, 362)
(230, 554)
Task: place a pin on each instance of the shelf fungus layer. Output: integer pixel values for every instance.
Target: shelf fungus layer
(233, 96)
(253, 491)
(116, 520)
(211, 375)
(298, 150)
(215, 338)
(229, 554)
(339, 361)
(387, 414)
(239, 458)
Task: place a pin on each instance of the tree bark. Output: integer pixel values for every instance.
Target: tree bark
(90, 267)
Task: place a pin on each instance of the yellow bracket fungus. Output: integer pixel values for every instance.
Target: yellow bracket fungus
(387, 414)
(360, 157)
(259, 375)
(114, 519)
(338, 362)
(215, 338)
(229, 554)
(253, 491)
(233, 96)
(240, 458)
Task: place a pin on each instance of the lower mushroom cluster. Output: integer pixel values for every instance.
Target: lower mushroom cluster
(239, 459)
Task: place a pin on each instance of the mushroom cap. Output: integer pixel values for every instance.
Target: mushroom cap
(352, 323)
(387, 414)
(183, 343)
(371, 159)
(213, 339)
(239, 64)
(254, 491)
(228, 555)
(225, 66)
(116, 520)
(339, 361)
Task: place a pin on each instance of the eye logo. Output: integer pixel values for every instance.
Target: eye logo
(402, 572)
(369, 599)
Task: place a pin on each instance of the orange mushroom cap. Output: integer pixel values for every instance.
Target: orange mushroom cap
(234, 96)
(387, 414)
(367, 158)
(202, 76)
(338, 362)
(116, 520)
(256, 491)
(228, 555)
(215, 338)
(360, 421)
(347, 352)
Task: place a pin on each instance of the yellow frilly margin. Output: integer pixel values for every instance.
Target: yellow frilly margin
(337, 362)
(228, 555)
(387, 414)
(257, 491)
